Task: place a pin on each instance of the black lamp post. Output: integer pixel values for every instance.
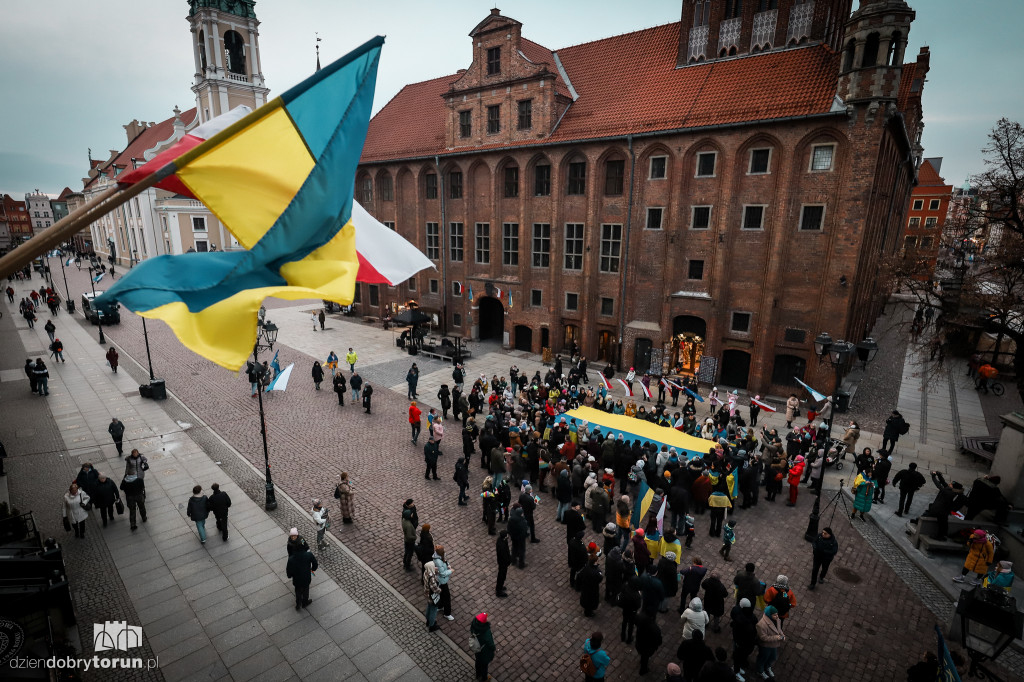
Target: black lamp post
(266, 335)
(99, 318)
(988, 620)
(67, 301)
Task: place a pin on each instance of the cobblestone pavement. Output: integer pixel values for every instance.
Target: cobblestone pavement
(540, 628)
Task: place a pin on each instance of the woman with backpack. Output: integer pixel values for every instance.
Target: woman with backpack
(481, 643)
(781, 597)
(594, 660)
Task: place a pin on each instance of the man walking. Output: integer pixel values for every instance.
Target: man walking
(104, 496)
(135, 497)
(895, 426)
(880, 473)
(461, 478)
(218, 504)
(340, 388)
(51, 329)
(57, 351)
(350, 358)
(412, 378)
(430, 453)
(116, 431)
(356, 383)
(504, 559)
(414, 421)
(199, 510)
(518, 530)
(529, 504)
(909, 481)
(825, 549)
(301, 566)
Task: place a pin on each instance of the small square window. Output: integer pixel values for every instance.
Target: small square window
(658, 165)
(456, 319)
(198, 224)
(915, 222)
(926, 242)
(740, 322)
(390, 224)
(933, 205)
(910, 243)
(607, 306)
(696, 270)
(536, 297)
(812, 217)
(759, 161)
(654, 216)
(821, 157)
(701, 218)
(572, 301)
(753, 217)
(494, 119)
(930, 222)
(433, 286)
(706, 164)
(918, 204)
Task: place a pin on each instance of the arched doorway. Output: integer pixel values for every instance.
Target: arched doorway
(492, 318)
(604, 346)
(524, 338)
(735, 368)
(688, 334)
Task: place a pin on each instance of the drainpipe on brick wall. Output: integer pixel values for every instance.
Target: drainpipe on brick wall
(625, 248)
(443, 247)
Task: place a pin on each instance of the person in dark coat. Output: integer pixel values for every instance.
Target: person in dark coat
(296, 543)
(340, 388)
(135, 497)
(461, 478)
(667, 575)
(909, 481)
(198, 510)
(629, 601)
(481, 629)
(744, 634)
(425, 547)
(518, 530)
(577, 559)
(880, 473)
(694, 653)
(648, 640)
(641, 554)
(985, 494)
(445, 397)
(318, 374)
(613, 574)
(504, 560)
(895, 426)
(529, 504)
(589, 583)
(825, 549)
(717, 670)
(219, 503)
(574, 522)
(116, 431)
(430, 454)
(692, 579)
(747, 585)
(951, 498)
(87, 479)
(300, 568)
(714, 600)
(652, 590)
(104, 495)
(367, 393)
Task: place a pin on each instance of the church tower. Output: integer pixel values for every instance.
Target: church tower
(873, 50)
(226, 47)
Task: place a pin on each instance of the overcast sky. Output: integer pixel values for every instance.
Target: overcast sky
(73, 73)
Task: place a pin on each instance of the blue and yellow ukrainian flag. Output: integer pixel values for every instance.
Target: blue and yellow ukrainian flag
(644, 497)
(281, 181)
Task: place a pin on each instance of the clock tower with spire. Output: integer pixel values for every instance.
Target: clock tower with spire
(225, 42)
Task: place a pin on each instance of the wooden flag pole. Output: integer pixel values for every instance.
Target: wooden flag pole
(80, 218)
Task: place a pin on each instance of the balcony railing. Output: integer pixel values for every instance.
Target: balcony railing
(729, 34)
(800, 17)
(240, 77)
(764, 28)
(698, 42)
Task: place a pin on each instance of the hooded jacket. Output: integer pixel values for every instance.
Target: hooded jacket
(694, 618)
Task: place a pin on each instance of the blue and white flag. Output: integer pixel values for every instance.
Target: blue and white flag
(280, 382)
(98, 277)
(274, 364)
(69, 262)
(818, 397)
(693, 394)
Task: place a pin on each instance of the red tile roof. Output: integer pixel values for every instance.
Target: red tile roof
(926, 175)
(906, 80)
(538, 54)
(145, 140)
(630, 84)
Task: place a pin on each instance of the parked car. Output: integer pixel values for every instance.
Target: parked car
(107, 314)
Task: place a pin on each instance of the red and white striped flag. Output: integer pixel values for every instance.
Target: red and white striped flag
(678, 426)
(763, 405)
(647, 391)
(604, 381)
(625, 386)
(661, 517)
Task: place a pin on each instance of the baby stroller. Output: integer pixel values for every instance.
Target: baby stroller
(835, 453)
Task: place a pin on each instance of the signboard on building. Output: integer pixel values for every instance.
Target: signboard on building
(708, 370)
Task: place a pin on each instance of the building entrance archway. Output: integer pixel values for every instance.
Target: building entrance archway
(688, 334)
(491, 316)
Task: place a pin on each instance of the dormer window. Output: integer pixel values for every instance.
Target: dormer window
(493, 61)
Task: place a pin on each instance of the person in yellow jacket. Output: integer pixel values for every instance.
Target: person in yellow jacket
(350, 358)
(979, 555)
(670, 543)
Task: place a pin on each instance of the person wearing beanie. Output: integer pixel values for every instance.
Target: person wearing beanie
(599, 505)
(410, 520)
(670, 543)
(780, 597)
(979, 555)
(1001, 576)
(728, 539)
(673, 673)
(300, 568)
(610, 534)
(769, 638)
(623, 510)
(641, 552)
(482, 645)
(518, 531)
(909, 481)
(504, 556)
(528, 501)
(825, 549)
(743, 623)
(320, 518)
(793, 477)
(589, 582)
(296, 543)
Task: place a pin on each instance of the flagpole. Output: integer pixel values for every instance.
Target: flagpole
(77, 220)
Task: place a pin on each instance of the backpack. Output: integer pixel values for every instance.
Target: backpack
(587, 666)
(781, 602)
(475, 645)
(904, 428)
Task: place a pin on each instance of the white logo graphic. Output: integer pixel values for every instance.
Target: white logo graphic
(116, 635)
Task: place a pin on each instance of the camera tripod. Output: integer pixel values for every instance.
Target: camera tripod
(817, 512)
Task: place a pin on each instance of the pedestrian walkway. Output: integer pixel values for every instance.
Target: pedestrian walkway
(223, 610)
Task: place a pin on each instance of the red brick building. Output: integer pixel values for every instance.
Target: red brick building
(15, 214)
(722, 187)
(926, 218)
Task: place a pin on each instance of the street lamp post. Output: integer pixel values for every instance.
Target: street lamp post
(988, 621)
(266, 335)
(67, 291)
(99, 318)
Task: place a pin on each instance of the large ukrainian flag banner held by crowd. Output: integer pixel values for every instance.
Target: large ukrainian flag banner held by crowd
(281, 181)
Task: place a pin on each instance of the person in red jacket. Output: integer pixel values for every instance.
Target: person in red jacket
(795, 472)
(414, 421)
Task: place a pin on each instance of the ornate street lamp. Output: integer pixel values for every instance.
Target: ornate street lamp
(821, 345)
(988, 621)
(866, 351)
(266, 336)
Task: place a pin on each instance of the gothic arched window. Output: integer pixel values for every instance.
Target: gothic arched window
(892, 57)
(870, 50)
(202, 51)
(235, 51)
(851, 50)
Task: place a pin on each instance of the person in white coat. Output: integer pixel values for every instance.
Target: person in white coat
(694, 618)
(76, 510)
(322, 523)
